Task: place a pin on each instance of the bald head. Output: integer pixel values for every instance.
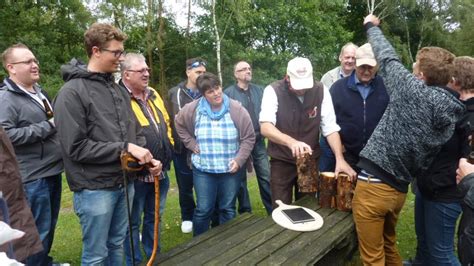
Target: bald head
(243, 74)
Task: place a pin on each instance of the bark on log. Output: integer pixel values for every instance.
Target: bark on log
(327, 190)
(307, 174)
(345, 192)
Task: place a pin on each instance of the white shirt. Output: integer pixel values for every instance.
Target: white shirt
(328, 116)
(37, 96)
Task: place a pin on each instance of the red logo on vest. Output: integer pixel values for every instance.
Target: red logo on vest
(313, 113)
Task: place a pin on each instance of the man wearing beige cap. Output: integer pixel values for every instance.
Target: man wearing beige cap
(359, 102)
(293, 111)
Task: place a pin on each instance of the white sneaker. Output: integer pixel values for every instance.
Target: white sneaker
(186, 227)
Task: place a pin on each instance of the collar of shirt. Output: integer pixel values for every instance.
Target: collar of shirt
(147, 93)
(363, 89)
(342, 75)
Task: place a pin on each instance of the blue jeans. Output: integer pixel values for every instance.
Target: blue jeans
(144, 203)
(44, 199)
(212, 189)
(327, 161)
(184, 178)
(103, 217)
(262, 169)
(435, 223)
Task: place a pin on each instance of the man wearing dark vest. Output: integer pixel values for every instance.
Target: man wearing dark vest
(293, 111)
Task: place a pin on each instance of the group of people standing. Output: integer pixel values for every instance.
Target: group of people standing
(380, 124)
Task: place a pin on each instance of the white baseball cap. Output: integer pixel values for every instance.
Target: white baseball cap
(365, 56)
(300, 72)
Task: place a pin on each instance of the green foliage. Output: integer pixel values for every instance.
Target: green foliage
(53, 31)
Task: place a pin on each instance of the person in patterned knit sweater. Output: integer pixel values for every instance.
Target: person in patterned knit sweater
(419, 119)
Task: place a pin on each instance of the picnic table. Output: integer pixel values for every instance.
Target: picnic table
(250, 240)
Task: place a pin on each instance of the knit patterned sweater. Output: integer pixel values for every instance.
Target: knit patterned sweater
(417, 121)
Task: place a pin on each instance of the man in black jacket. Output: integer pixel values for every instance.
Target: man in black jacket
(250, 95)
(152, 116)
(95, 124)
(185, 92)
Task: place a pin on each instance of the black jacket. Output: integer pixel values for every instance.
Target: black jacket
(466, 225)
(253, 95)
(438, 183)
(95, 121)
(178, 97)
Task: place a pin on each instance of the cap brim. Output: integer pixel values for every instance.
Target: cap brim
(301, 83)
(366, 61)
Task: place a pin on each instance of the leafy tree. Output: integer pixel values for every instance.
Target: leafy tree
(53, 31)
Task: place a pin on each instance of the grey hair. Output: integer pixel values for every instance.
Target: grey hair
(129, 59)
(347, 45)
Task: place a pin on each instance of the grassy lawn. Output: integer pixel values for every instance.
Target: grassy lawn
(67, 242)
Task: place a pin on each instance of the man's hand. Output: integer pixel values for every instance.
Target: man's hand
(372, 18)
(343, 167)
(298, 148)
(233, 166)
(141, 154)
(156, 169)
(463, 170)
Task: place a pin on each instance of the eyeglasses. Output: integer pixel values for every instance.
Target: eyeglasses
(244, 69)
(197, 64)
(117, 53)
(27, 62)
(141, 71)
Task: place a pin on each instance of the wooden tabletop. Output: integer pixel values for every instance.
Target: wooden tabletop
(251, 240)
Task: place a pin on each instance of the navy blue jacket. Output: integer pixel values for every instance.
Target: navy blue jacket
(356, 117)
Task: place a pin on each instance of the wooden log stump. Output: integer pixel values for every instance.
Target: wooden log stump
(307, 174)
(345, 192)
(327, 190)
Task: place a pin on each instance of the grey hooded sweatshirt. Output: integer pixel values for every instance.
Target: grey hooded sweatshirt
(418, 120)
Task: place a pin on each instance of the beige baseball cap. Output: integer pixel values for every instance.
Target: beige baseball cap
(365, 56)
(300, 72)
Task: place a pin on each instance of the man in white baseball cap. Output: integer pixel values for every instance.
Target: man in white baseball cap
(293, 111)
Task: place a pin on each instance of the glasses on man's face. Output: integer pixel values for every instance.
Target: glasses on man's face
(197, 64)
(244, 69)
(27, 62)
(116, 53)
(141, 71)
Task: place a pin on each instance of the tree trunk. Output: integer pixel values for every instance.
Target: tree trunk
(218, 41)
(188, 29)
(161, 52)
(149, 39)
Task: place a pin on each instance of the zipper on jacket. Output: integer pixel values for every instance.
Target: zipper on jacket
(365, 121)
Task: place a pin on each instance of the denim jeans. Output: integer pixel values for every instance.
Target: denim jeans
(212, 189)
(435, 225)
(103, 217)
(184, 178)
(144, 203)
(262, 169)
(327, 161)
(44, 198)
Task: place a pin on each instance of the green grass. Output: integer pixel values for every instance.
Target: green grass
(68, 244)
